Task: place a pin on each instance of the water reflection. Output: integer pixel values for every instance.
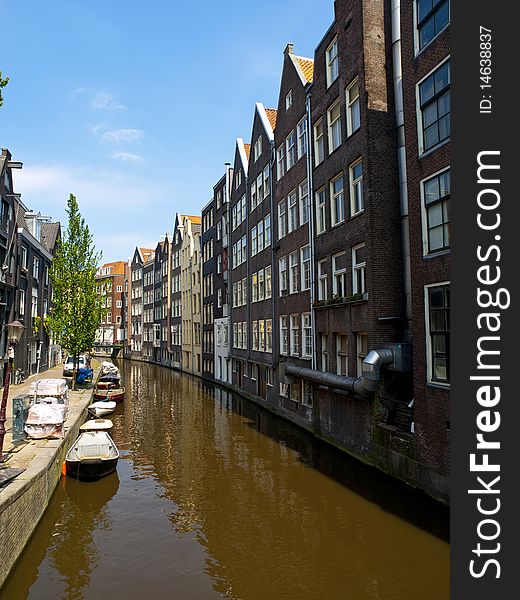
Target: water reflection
(216, 498)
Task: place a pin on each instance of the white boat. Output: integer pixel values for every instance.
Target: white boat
(93, 455)
(102, 408)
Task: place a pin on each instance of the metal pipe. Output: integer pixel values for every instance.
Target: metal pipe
(401, 157)
(364, 385)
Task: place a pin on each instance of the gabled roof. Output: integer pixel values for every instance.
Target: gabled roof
(50, 232)
(271, 115)
(268, 118)
(244, 151)
(118, 267)
(307, 67)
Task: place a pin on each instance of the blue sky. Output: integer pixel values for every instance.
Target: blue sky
(135, 107)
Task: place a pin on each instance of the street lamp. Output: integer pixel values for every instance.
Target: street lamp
(15, 331)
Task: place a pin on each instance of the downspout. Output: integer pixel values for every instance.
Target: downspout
(311, 228)
(401, 160)
(274, 337)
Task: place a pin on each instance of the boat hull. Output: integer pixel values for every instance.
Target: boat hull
(117, 395)
(92, 456)
(91, 469)
(97, 409)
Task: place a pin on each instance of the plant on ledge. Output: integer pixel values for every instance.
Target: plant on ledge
(344, 299)
(36, 324)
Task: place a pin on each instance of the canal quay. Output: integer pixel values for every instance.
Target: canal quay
(215, 498)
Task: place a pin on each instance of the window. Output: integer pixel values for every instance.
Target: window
(304, 202)
(254, 287)
(219, 263)
(255, 335)
(260, 229)
(219, 230)
(254, 241)
(282, 268)
(280, 161)
(238, 178)
(305, 259)
(306, 334)
(362, 351)
(356, 187)
(261, 335)
(268, 284)
(438, 301)
(36, 267)
(432, 18)
(337, 207)
(219, 298)
(434, 106)
(319, 150)
(267, 179)
(341, 354)
(288, 100)
(284, 335)
(24, 257)
(290, 155)
(257, 150)
(324, 340)
(269, 335)
(119, 288)
(293, 272)
(334, 126)
(339, 270)
(306, 393)
(331, 61)
(359, 269)
(436, 198)
(259, 188)
(282, 222)
(292, 212)
(267, 231)
(254, 200)
(322, 279)
(295, 335)
(261, 285)
(34, 302)
(302, 137)
(353, 112)
(320, 211)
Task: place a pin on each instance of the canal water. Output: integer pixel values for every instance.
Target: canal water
(215, 498)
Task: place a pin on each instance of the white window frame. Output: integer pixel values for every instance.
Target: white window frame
(321, 210)
(332, 62)
(334, 126)
(305, 268)
(340, 274)
(334, 216)
(353, 108)
(322, 280)
(422, 149)
(293, 272)
(301, 129)
(356, 189)
(358, 271)
(303, 193)
(424, 212)
(429, 349)
(319, 142)
(292, 211)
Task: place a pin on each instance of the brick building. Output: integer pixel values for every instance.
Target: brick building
(110, 279)
(176, 297)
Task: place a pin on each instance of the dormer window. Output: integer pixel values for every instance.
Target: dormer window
(288, 100)
(332, 63)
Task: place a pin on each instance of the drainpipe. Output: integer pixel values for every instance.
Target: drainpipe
(363, 386)
(401, 159)
(311, 228)
(272, 158)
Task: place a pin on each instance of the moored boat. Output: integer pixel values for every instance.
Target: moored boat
(101, 408)
(93, 455)
(114, 394)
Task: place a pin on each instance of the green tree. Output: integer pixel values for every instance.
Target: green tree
(3, 83)
(76, 312)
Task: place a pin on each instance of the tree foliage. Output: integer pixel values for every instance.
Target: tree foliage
(76, 312)
(3, 83)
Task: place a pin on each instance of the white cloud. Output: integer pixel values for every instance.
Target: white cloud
(117, 136)
(121, 208)
(127, 157)
(105, 102)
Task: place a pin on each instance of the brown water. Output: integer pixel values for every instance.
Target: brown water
(214, 498)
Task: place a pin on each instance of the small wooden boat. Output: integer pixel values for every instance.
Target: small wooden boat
(97, 425)
(109, 387)
(93, 455)
(101, 408)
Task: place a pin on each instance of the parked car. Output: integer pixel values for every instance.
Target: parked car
(68, 365)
